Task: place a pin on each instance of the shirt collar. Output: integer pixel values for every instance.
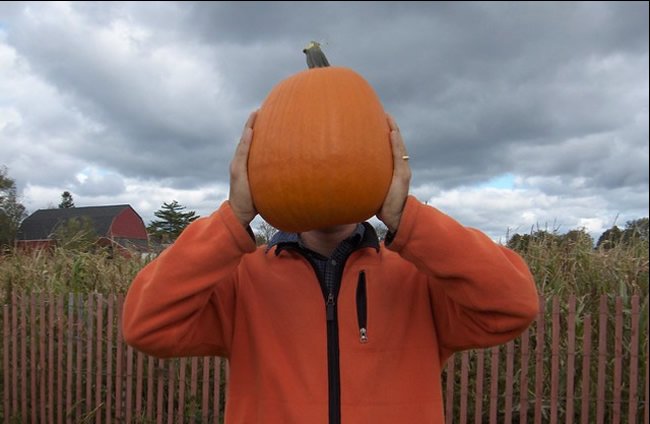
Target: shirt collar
(364, 235)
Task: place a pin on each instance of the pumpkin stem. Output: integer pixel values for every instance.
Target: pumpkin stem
(315, 56)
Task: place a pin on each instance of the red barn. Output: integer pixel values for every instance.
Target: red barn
(116, 225)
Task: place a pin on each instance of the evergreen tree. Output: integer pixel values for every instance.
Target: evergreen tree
(610, 238)
(12, 212)
(66, 200)
(172, 221)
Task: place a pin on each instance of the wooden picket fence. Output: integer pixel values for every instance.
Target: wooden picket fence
(64, 361)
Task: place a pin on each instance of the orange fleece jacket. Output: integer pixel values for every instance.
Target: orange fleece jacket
(438, 288)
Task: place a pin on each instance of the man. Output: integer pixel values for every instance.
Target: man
(329, 326)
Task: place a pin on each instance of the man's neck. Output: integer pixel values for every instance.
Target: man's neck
(325, 241)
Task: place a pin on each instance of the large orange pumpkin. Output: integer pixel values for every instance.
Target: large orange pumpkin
(320, 154)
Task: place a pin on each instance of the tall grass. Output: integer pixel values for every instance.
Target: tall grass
(561, 267)
(64, 270)
(564, 266)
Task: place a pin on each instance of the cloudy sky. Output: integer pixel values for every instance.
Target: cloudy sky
(516, 115)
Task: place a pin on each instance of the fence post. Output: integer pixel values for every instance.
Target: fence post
(109, 359)
(14, 356)
(129, 385)
(618, 361)
(79, 342)
(23, 357)
(539, 362)
(464, 375)
(478, 398)
(32, 357)
(494, 384)
(571, 357)
(586, 369)
(181, 389)
(510, 353)
(449, 406)
(523, 378)
(59, 330)
(89, 352)
(98, 378)
(555, 358)
(602, 360)
(634, 359)
(119, 351)
(68, 362)
(5, 361)
(206, 387)
(51, 302)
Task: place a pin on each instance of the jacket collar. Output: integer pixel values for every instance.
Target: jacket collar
(363, 236)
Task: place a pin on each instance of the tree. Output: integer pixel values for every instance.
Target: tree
(171, 223)
(636, 230)
(382, 231)
(264, 233)
(519, 242)
(12, 212)
(76, 234)
(610, 238)
(66, 200)
(577, 239)
(546, 238)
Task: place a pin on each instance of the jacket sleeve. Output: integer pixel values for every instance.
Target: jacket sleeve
(482, 294)
(182, 303)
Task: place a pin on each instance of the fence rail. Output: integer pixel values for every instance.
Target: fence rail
(64, 361)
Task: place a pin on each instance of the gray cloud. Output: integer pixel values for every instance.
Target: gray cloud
(554, 93)
(100, 185)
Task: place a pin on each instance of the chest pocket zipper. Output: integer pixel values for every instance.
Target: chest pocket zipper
(362, 308)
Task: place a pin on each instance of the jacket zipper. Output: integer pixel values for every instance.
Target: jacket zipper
(362, 308)
(333, 365)
(331, 314)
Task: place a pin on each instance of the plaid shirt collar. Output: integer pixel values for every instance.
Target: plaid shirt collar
(364, 235)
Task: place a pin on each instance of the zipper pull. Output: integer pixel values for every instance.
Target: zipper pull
(330, 306)
(362, 308)
(363, 335)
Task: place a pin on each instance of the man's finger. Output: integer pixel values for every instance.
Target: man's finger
(400, 155)
(391, 122)
(251, 120)
(241, 152)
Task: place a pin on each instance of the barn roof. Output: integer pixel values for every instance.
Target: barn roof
(41, 224)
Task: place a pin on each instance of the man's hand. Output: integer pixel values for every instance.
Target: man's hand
(391, 211)
(241, 201)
